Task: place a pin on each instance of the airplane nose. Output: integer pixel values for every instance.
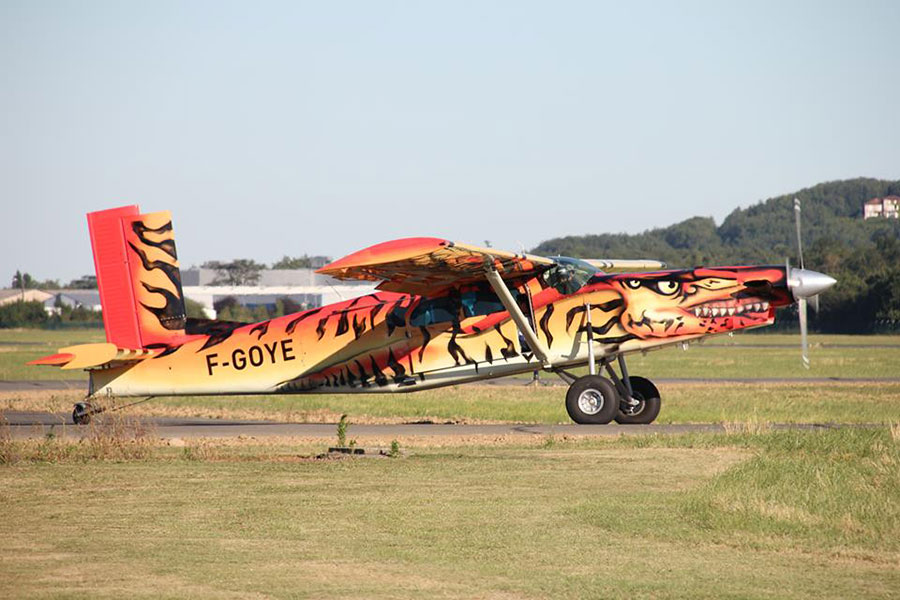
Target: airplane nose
(804, 283)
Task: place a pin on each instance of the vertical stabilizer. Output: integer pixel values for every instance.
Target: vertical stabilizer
(138, 276)
(155, 275)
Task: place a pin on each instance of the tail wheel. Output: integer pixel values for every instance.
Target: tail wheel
(592, 400)
(644, 405)
(81, 414)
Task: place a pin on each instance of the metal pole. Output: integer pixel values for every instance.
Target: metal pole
(592, 364)
(624, 370)
(520, 319)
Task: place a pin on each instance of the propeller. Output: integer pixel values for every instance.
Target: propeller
(805, 285)
(801, 302)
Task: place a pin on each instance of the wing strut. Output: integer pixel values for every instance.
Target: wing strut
(592, 363)
(509, 303)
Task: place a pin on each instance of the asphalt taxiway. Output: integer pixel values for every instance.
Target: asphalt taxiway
(39, 424)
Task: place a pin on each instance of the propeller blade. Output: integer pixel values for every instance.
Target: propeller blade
(815, 303)
(797, 223)
(804, 343)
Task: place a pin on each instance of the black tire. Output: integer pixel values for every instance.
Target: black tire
(592, 400)
(649, 403)
(81, 414)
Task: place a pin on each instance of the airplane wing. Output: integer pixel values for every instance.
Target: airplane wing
(423, 265)
(619, 265)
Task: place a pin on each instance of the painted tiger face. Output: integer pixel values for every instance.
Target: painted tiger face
(697, 302)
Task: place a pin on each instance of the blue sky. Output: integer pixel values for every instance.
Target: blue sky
(272, 128)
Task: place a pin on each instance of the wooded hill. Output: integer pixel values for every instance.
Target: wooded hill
(864, 256)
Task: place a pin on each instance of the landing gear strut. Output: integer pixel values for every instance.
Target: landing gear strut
(642, 407)
(83, 411)
(630, 400)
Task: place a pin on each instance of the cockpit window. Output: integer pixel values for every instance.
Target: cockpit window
(434, 310)
(476, 303)
(569, 275)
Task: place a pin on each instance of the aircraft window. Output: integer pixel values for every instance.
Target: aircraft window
(569, 274)
(480, 302)
(435, 310)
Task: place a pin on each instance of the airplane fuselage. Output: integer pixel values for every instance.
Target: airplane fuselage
(387, 342)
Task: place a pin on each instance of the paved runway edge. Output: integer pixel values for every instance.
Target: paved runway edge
(25, 425)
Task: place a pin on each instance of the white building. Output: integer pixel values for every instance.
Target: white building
(887, 207)
(30, 295)
(89, 299)
(303, 286)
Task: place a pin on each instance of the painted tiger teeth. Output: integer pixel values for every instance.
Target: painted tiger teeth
(729, 310)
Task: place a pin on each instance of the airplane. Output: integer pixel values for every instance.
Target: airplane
(444, 313)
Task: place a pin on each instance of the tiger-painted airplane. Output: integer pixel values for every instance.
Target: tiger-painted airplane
(445, 313)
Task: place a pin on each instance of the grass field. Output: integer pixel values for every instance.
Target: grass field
(772, 514)
(753, 513)
(682, 403)
(744, 355)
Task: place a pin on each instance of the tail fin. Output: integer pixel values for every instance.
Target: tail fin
(138, 276)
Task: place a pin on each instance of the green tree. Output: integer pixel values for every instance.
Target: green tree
(193, 309)
(293, 262)
(22, 281)
(85, 282)
(288, 306)
(26, 281)
(22, 314)
(259, 313)
(241, 271)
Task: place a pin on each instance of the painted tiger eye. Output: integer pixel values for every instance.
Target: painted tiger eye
(667, 287)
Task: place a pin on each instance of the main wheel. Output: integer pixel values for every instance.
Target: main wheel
(592, 400)
(81, 414)
(645, 404)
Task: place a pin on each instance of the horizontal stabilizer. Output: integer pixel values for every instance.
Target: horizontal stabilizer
(91, 356)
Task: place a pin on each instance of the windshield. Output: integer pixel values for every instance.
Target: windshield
(569, 274)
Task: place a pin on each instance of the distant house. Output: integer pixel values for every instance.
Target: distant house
(887, 207)
(303, 287)
(89, 299)
(10, 296)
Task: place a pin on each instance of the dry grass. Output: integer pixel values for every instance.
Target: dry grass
(754, 425)
(112, 437)
(833, 402)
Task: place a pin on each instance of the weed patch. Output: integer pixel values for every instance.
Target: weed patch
(832, 488)
(113, 437)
